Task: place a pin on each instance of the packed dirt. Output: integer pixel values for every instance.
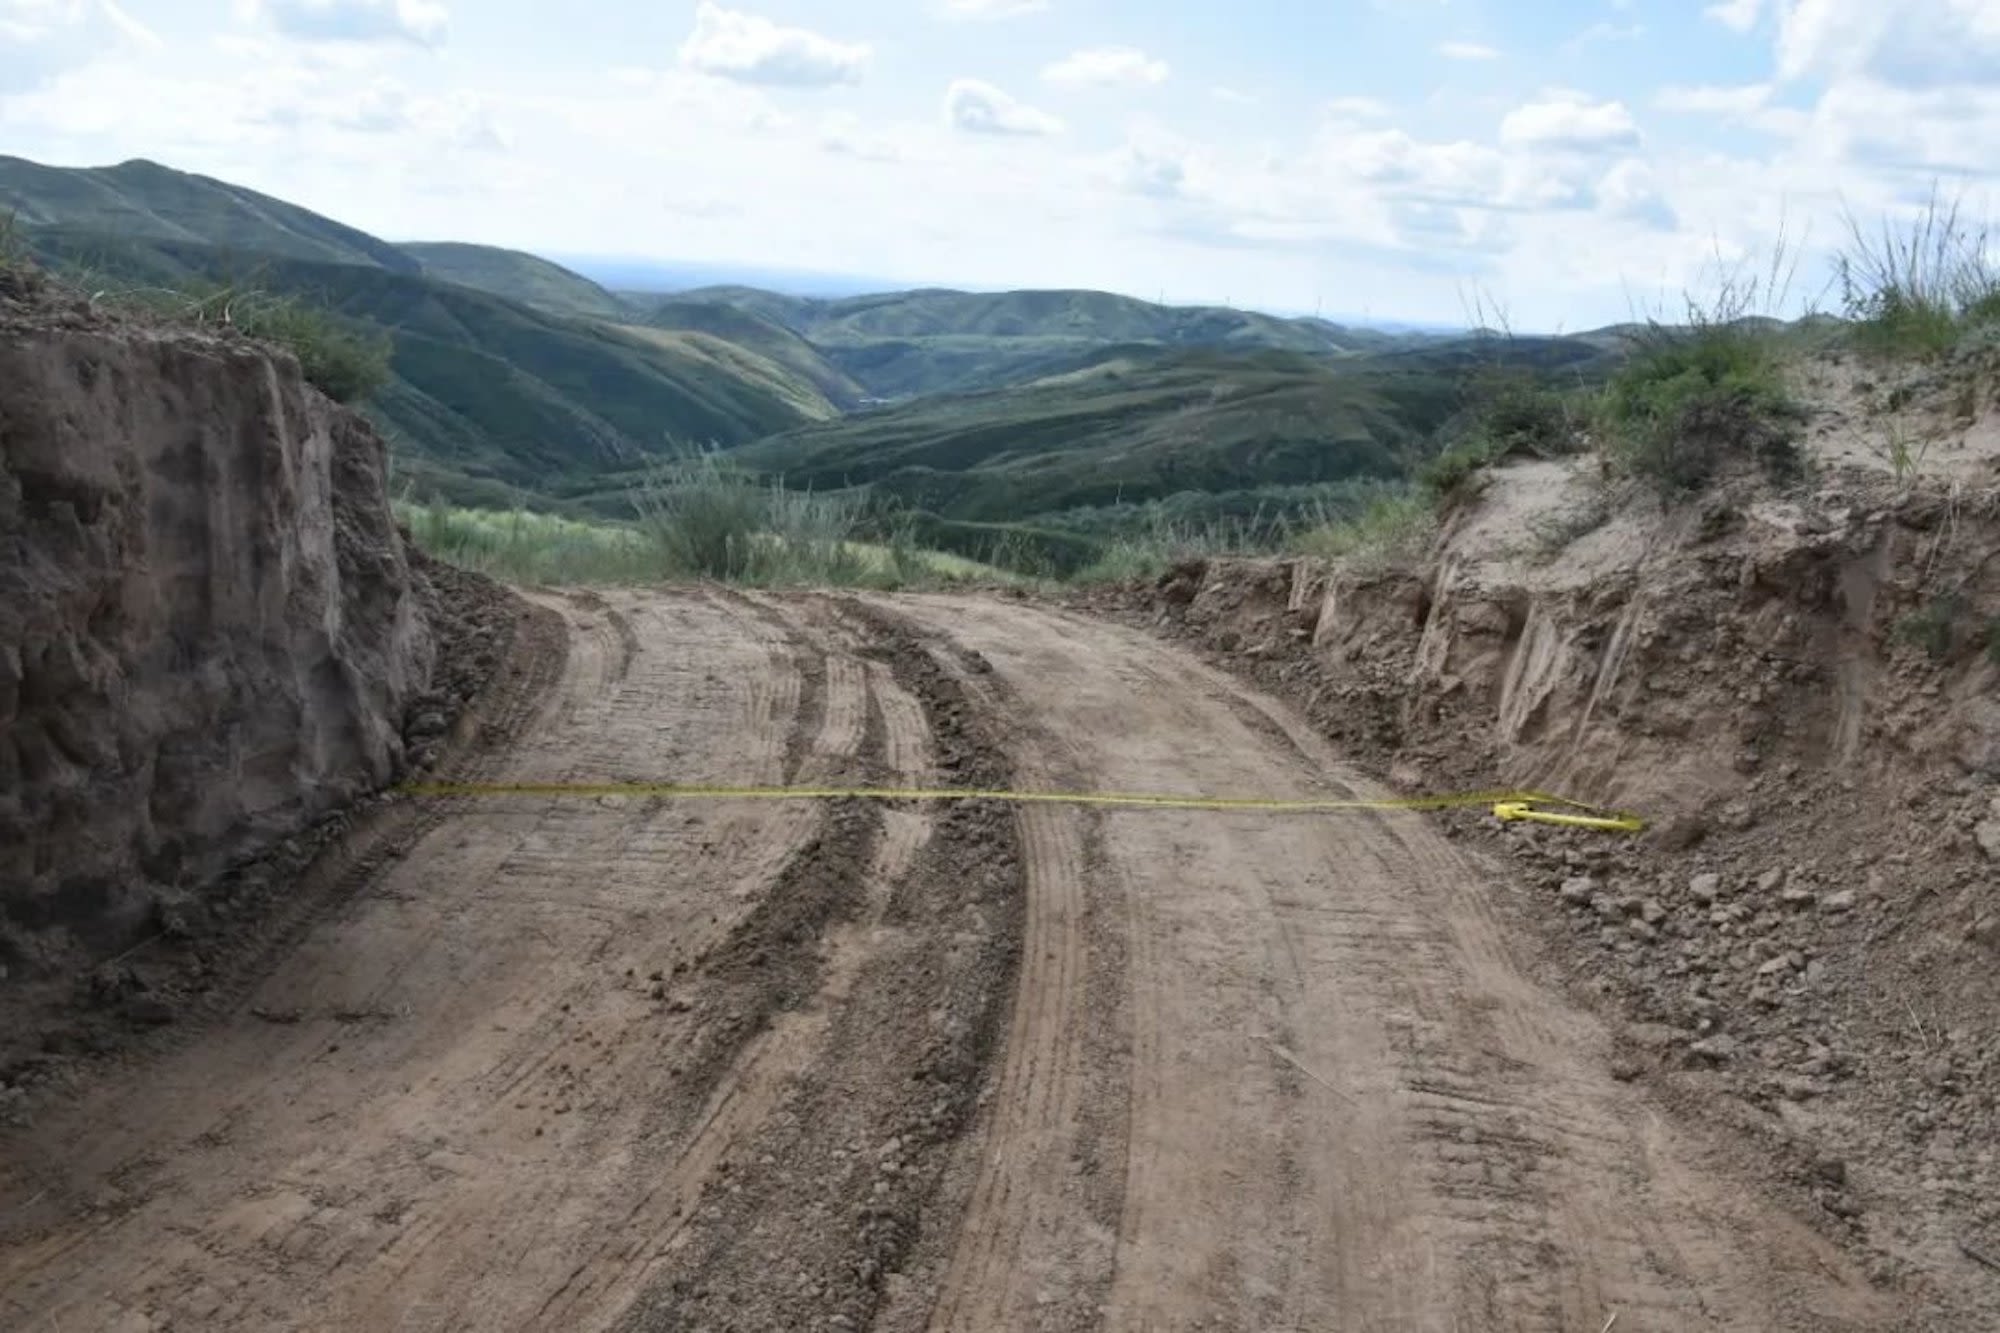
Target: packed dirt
(209, 634)
(628, 1062)
(1796, 685)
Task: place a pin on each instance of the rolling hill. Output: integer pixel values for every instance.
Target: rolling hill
(900, 345)
(1137, 424)
(516, 276)
(143, 201)
(490, 397)
(514, 378)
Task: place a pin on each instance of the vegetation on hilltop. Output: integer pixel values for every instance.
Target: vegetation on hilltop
(517, 276)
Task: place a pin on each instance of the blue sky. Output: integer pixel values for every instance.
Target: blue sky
(1570, 163)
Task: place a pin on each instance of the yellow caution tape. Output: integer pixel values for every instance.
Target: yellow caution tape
(1512, 806)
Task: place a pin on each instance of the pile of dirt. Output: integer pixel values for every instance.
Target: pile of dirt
(212, 642)
(1801, 691)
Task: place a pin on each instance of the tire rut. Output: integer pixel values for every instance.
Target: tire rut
(854, 1158)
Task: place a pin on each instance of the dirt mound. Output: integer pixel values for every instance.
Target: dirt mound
(1799, 689)
(210, 635)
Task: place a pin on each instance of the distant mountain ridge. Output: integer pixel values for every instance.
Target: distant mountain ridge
(516, 378)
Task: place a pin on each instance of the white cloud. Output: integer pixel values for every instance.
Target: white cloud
(843, 134)
(993, 9)
(1467, 51)
(1108, 66)
(1357, 108)
(423, 22)
(1605, 32)
(1232, 96)
(1919, 45)
(1737, 15)
(974, 107)
(1729, 100)
(39, 39)
(1632, 190)
(749, 48)
(1573, 121)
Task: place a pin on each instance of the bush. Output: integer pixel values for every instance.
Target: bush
(344, 360)
(341, 360)
(1691, 401)
(1512, 415)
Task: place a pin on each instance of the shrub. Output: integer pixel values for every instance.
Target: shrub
(1690, 401)
(340, 359)
(344, 360)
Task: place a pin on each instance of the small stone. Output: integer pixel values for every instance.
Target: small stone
(1643, 931)
(1651, 912)
(1578, 891)
(1705, 888)
(1798, 898)
(1988, 835)
(1844, 901)
(1770, 882)
(1718, 1049)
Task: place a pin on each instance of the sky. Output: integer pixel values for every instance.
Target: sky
(1556, 166)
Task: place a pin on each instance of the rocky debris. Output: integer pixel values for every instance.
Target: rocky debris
(1814, 903)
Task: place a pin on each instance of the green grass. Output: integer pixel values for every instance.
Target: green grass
(699, 520)
(1915, 291)
(1393, 528)
(1692, 402)
(346, 360)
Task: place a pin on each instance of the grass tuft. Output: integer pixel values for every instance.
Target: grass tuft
(1913, 291)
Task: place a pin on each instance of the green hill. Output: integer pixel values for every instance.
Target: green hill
(145, 201)
(1138, 424)
(901, 345)
(491, 396)
(516, 276)
(768, 338)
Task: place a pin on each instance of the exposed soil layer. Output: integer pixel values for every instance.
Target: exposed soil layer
(623, 1062)
(1799, 690)
(213, 646)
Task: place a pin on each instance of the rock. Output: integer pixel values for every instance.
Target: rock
(148, 1011)
(1716, 1050)
(1705, 888)
(1578, 891)
(1770, 882)
(1798, 898)
(1844, 901)
(1987, 834)
(1651, 912)
(427, 724)
(1772, 967)
(1641, 930)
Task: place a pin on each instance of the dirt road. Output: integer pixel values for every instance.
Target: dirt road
(623, 1063)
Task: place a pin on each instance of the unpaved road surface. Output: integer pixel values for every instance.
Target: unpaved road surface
(627, 1063)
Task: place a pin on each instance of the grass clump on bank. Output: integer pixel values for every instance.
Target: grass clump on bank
(1915, 292)
(1691, 401)
(345, 361)
(698, 519)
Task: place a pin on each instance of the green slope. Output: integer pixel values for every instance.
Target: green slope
(516, 276)
(908, 344)
(490, 390)
(145, 201)
(769, 339)
(1139, 424)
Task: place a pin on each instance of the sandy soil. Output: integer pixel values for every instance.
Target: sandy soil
(625, 1063)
